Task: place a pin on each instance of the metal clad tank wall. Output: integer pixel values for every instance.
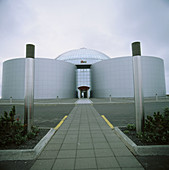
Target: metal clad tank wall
(13, 79)
(45, 79)
(153, 76)
(65, 79)
(52, 78)
(113, 77)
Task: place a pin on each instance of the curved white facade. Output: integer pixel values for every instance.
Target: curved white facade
(115, 77)
(83, 73)
(50, 77)
(13, 79)
(153, 76)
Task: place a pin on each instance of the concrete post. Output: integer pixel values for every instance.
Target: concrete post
(156, 97)
(138, 89)
(78, 94)
(110, 98)
(29, 87)
(58, 99)
(10, 99)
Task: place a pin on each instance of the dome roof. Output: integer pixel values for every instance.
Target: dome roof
(82, 53)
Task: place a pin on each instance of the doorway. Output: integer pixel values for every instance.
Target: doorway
(83, 92)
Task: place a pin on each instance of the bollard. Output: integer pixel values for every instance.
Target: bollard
(110, 98)
(138, 89)
(58, 99)
(10, 99)
(29, 87)
(156, 97)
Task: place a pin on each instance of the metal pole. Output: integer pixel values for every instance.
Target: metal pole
(29, 87)
(10, 99)
(138, 89)
(110, 98)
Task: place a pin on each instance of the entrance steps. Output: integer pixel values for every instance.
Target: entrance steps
(83, 101)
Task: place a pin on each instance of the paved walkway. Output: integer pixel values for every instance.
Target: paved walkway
(85, 142)
(83, 101)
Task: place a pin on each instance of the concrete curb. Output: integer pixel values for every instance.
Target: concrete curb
(142, 150)
(27, 154)
(11, 104)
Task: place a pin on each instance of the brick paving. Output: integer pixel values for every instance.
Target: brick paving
(83, 142)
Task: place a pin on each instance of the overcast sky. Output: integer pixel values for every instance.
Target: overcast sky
(109, 26)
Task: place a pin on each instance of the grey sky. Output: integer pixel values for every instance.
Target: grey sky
(109, 26)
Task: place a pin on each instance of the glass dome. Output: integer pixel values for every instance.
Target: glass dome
(82, 56)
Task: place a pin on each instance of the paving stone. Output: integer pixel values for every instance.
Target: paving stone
(128, 162)
(57, 140)
(117, 145)
(109, 132)
(74, 132)
(64, 164)
(111, 169)
(84, 126)
(132, 168)
(70, 141)
(95, 135)
(48, 154)
(107, 162)
(63, 132)
(75, 128)
(96, 128)
(84, 135)
(121, 152)
(101, 145)
(99, 140)
(58, 135)
(103, 153)
(70, 146)
(111, 140)
(43, 164)
(85, 146)
(81, 132)
(53, 146)
(64, 128)
(87, 169)
(85, 153)
(66, 154)
(71, 136)
(85, 163)
(85, 140)
(96, 132)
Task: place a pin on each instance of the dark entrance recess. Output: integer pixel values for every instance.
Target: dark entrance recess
(83, 91)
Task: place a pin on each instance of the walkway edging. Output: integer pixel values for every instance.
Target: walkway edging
(27, 154)
(142, 150)
(105, 119)
(60, 123)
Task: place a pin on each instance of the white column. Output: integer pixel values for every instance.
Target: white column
(29, 87)
(138, 89)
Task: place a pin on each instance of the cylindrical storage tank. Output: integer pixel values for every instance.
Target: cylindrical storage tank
(52, 78)
(115, 77)
(112, 77)
(65, 79)
(45, 78)
(153, 76)
(13, 79)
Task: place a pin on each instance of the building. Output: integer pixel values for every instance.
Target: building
(83, 73)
